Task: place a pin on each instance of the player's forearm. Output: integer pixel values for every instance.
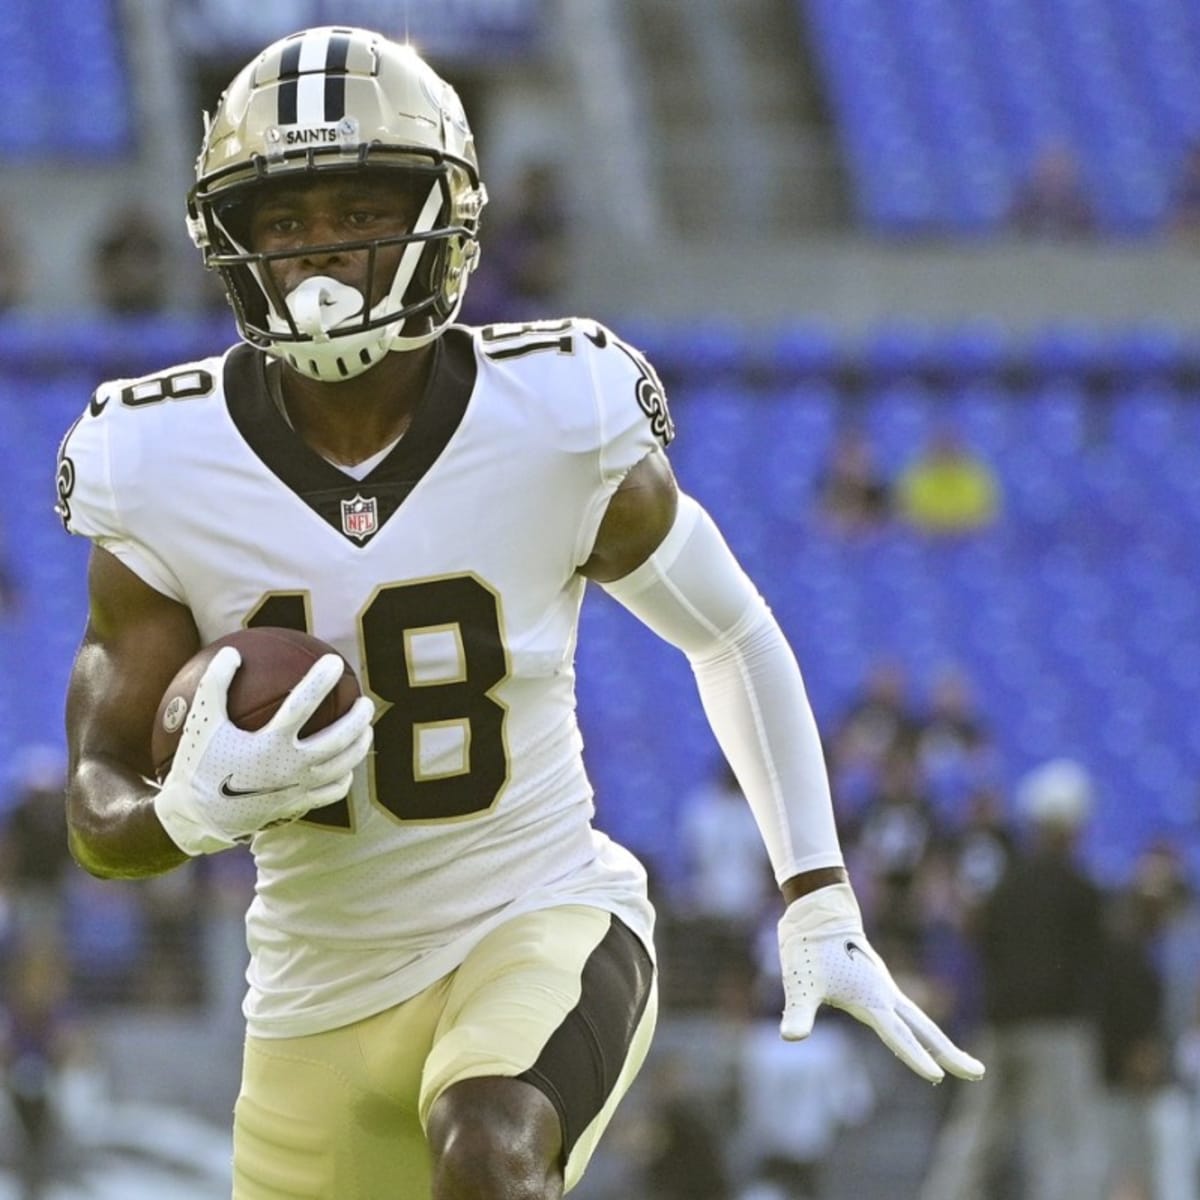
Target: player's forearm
(112, 827)
(756, 703)
(693, 593)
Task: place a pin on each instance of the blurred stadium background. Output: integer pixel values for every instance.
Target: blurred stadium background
(907, 221)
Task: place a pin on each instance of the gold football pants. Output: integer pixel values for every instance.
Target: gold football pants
(564, 998)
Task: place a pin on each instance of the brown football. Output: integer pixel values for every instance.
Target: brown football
(274, 660)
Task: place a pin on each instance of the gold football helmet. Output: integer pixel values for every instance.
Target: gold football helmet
(341, 100)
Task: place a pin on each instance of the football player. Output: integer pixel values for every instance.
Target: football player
(452, 977)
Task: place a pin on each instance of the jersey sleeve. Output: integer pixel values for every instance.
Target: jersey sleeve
(632, 419)
(94, 464)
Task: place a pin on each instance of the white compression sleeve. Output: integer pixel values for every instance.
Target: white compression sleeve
(693, 593)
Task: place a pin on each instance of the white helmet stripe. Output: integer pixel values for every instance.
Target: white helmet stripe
(310, 97)
(314, 48)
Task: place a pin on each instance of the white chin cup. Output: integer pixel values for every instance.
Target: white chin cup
(319, 305)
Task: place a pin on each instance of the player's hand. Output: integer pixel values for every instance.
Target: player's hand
(226, 784)
(827, 960)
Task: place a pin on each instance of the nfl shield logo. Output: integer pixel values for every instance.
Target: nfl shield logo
(360, 517)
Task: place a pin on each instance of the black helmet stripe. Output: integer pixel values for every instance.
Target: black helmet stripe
(312, 78)
(289, 82)
(335, 76)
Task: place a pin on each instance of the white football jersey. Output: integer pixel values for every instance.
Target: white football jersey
(447, 576)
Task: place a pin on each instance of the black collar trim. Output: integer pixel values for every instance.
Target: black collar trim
(356, 508)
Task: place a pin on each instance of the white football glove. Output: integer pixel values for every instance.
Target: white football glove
(225, 784)
(826, 959)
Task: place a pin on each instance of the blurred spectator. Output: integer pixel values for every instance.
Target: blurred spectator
(228, 888)
(106, 938)
(726, 881)
(171, 972)
(881, 720)
(142, 939)
(129, 264)
(1135, 1050)
(524, 256)
(947, 968)
(34, 857)
(1161, 868)
(680, 1144)
(954, 745)
(952, 722)
(36, 1040)
(13, 277)
(897, 826)
(1051, 201)
(983, 849)
(1187, 1067)
(1040, 943)
(10, 589)
(948, 489)
(896, 831)
(708, 926)
(854, 494)
(1184, 213)
(827, 1088)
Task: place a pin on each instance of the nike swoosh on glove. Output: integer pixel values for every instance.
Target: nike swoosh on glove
(826, 959)
(226, 783)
